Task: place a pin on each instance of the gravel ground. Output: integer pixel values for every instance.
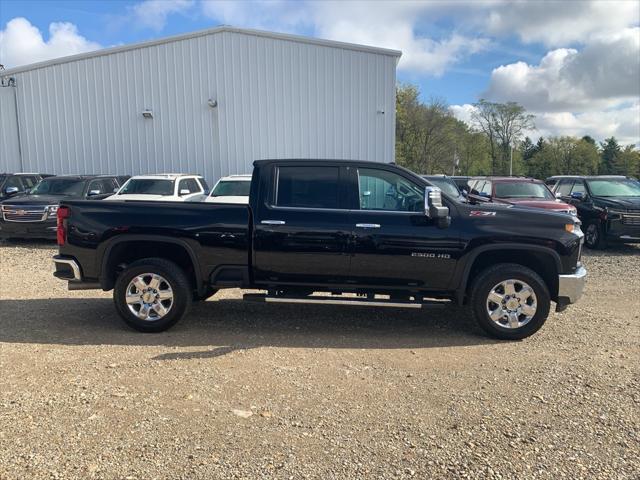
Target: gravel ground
(249, 391)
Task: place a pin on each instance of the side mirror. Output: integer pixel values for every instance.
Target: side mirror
(185, 191)
(578, 196)
(433, 207)
(558, 195)
(93, 193)
(11, 190)
(116, 189)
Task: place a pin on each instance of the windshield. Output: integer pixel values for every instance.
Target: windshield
(147, 186)
(614, 188)
(72, 187)
(446, 185)
(523, 190)
(226, 188)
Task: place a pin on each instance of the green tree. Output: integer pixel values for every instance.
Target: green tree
(503, 124)
(585, 157)
(628, 162)
(428, 137)
(528, 149)
(608, 160)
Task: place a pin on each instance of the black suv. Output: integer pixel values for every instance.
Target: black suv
(33, 214)
(12, 184)
(609, 207)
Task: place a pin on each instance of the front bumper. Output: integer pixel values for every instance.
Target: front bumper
(570, 288)
(45, 229)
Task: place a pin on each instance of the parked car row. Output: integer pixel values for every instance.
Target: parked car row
(32, 212)
(29, 201)
(607, 205)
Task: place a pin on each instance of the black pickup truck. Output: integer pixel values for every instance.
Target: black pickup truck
(335, 232)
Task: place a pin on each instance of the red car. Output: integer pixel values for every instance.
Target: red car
(527, 192)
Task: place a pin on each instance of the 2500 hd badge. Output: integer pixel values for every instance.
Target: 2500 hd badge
(444, 256)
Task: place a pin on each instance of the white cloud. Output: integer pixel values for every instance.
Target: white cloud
(559, 22)
(154, 13)
(22, 43)
(622, 123)
(463, 112)
(603, 74)
(381, 24)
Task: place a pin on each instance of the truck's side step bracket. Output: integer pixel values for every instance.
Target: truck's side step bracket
(332, 300)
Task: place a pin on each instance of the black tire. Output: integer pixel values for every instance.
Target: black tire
(594, 237)
(492, 276)
(175, 277)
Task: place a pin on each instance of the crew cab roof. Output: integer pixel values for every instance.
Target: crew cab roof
(320, 161)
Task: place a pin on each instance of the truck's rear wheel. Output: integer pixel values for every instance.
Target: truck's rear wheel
(152, 294)
(510, 301)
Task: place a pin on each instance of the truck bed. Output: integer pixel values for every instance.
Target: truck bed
(217, 235)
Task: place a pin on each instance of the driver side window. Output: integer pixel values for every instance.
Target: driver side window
(383, 190)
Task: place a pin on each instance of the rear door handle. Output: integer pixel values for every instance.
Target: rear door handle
(273, 222)
(367, 225)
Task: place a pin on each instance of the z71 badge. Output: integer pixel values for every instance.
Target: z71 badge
(481, 213)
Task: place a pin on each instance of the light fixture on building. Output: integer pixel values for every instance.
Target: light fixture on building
(147, 113)
(212, 103)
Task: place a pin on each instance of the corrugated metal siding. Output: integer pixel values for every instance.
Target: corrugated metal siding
(276, 99)
(9, 142)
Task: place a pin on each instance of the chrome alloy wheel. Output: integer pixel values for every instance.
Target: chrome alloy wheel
(511, 304)
(149, 296)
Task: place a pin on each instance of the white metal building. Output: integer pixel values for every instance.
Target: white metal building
(208, 102)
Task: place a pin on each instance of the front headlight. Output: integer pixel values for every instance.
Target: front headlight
(52, 209)
(573, 228)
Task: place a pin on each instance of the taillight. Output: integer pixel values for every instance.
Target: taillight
(61, 232)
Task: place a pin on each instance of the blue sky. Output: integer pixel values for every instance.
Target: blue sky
(575, 65)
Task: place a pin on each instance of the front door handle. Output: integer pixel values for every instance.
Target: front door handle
(273, 222)
(367, 225)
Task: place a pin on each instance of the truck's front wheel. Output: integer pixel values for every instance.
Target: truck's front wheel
(510, 301)
(152, 294)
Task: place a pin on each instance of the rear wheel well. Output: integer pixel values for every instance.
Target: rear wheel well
(541, 263)
(123, 254)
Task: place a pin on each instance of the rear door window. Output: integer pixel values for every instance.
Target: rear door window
(307, 187)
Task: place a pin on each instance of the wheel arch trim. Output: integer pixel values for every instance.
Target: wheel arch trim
(106, 249)
(473, 256)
